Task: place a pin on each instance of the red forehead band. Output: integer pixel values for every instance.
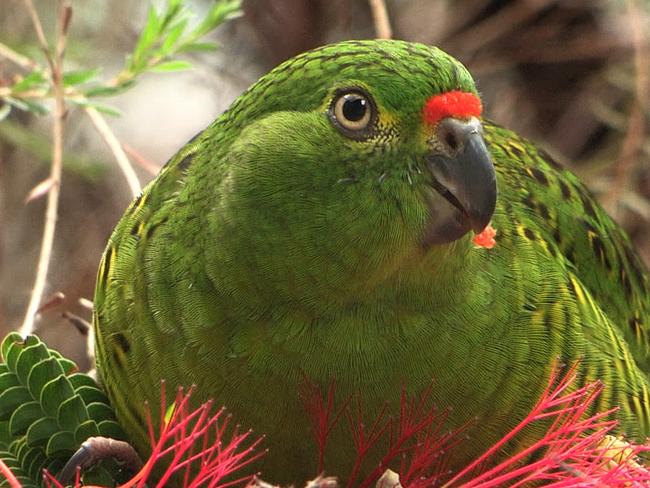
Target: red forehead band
(451, 104)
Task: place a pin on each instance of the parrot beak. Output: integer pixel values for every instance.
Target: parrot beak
(464, 175)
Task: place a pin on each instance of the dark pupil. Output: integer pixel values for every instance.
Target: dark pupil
(354, 108)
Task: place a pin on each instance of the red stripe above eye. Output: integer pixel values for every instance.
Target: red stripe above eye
(451, 104)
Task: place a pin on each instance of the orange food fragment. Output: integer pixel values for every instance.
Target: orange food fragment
(485, 238)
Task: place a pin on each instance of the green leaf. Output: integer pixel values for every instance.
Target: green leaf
(169, 413)
(7, 343)
(106, 109)
(24, 416)
(109, 91)
(72, 412)
(78, 77)
(176, 65)
(12, 352)
(79, 380)
(174, 10)
(91, 394)
(36, 107)
(34, 463)
(27, 105)
(19, 104)
(173, 36)
(147, 37)
(5, 437)
(9, 459)
(61, 443)
(11, 399)
(44, 372)
(28, 358)
(7, 380)
(34, 79)
(105, 476)
(99, 411)
(54, 393)
(68, 365)
(86, 429)
(19, 447)
(110, 428)
(219, 13)
(41, 430)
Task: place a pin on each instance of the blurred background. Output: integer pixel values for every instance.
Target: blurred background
(573, 75)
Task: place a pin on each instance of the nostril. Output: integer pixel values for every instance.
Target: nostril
(451, 141)
(452, 134)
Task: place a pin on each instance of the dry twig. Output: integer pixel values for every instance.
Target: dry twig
(97, 119)
(17, 58)
(381, 19)
(116, 148)
(149, 166)
(55, 64)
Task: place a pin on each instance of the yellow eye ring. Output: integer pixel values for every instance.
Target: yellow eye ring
(353, 112)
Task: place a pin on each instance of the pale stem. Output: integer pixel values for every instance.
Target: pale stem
(22, 61)
(51, 210)
(380, 16)
(116, 148)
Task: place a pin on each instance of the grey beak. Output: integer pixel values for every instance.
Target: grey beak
(465, 176)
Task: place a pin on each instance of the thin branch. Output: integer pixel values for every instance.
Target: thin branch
(16, 58)
(149, 166)
(381, 19)
(116, 148)
(97, 119)
(40, 34)
(36, 94)
(49, 225)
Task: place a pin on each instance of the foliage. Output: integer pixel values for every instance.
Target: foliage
(47, 409)
(166, 35)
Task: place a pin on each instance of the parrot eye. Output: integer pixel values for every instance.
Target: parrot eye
(353, 113)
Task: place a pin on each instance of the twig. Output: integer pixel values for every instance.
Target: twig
(116, 148)
(381, 19)
(634, 136)
(16, 58)
(37, 94)
(56, 68)
(38, 28)
(149, 166)
(97, 119)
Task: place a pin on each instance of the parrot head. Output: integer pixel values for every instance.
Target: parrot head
(355, 157)
(454, 156)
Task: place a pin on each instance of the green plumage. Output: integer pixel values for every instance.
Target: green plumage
(277, 246)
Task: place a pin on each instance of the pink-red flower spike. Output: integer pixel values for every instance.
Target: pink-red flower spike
(203, 446)
(576, 450)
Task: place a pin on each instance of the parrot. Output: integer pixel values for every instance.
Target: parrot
(323, 228)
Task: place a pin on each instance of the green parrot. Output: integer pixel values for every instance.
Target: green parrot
(322, 228)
